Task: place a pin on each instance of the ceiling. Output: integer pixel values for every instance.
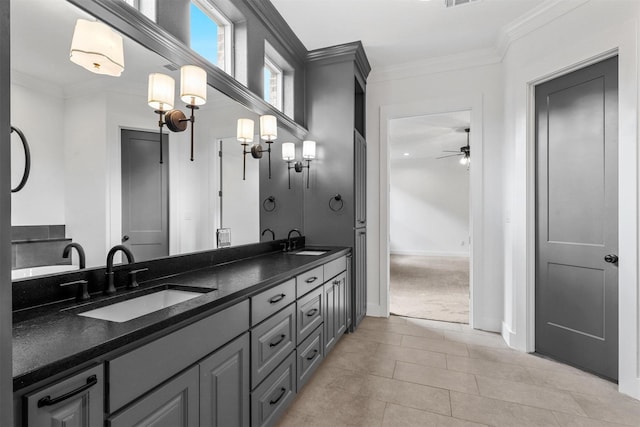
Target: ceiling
(427, 137)
(400, 32)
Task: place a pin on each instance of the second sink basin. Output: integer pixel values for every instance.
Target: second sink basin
(136, 307)
(310, 252)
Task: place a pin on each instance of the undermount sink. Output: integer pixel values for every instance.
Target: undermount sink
(309, 252)
(136, 307)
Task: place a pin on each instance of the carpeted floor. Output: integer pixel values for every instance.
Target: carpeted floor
(434, 288)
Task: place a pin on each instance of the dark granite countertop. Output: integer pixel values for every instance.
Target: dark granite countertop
(52, 339)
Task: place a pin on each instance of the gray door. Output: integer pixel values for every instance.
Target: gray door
(145, 194)
(577, 218)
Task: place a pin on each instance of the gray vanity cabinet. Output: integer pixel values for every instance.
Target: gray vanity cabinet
(336, 84)
(77, 401)
(224, 386)
(335, 320)
(174, 404)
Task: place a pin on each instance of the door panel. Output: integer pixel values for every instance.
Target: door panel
(145, 195)
(577, 218)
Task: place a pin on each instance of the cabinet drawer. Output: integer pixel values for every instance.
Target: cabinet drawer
(272, 300)
(309, 280)
(84, 405)
(271, 342)
(270, 400)
(309, 357)
(310, 311)
(138, 371)
(335, 267)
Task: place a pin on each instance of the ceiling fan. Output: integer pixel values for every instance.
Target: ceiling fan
(464, 151)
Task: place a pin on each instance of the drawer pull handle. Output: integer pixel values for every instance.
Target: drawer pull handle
(273, 344)
(48, 401)
(313, 354)
(311, 279)
(312, 312)
(282, 393)
(277, 298)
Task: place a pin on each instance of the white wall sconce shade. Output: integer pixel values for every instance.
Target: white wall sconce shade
(288, 151)
(97, 48)
(193, 85)
(161, 91)
(308, 150)
(268, 128)
(245, 131)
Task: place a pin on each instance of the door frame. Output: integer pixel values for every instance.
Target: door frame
(627, 218)
(474, 104)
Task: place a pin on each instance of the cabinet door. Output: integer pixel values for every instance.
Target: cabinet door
(329, 316)
(76, 401)
(360, 180)
(360, 277)
(174, 404)
(224, 386)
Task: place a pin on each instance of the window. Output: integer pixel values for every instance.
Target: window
(272, 83)
(146, 7)
(278, 80)
(211, 34)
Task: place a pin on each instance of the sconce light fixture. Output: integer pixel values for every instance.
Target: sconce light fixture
(289, 155)
(193, 91)
(268, 133)
(97, 48)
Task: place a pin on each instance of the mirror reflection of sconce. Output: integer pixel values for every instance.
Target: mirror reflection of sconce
(268, 132)
(289, 155)
(193, 91)
(97, 48)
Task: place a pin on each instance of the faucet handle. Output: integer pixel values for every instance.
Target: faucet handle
(82, 293)
(133, 281)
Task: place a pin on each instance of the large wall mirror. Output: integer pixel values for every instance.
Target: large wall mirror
(85, 131)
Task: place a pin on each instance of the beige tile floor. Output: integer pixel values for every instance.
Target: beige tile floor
(412, 372)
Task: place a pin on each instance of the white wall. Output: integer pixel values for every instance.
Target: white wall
(478, 89)
(37, 109)
(429, 207)
(572, 40)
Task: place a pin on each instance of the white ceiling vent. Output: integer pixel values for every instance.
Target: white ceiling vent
(452, 3)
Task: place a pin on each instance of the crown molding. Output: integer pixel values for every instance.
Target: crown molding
(353, 51)
(278, 27)
(536, 18)
(440, 64)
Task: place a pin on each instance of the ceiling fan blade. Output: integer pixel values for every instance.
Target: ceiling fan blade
(450, 155)
(450, 151)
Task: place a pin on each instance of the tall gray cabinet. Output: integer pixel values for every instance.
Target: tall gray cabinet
(335, 203)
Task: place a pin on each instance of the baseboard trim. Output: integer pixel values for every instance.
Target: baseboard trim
(375, 310)
(508, 335)
(431, 253)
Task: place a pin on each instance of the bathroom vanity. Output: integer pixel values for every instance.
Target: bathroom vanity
(236, 354)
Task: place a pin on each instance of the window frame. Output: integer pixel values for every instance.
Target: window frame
(272, 66)
(210, 9)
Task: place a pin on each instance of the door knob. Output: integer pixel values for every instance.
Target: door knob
(125, 238)
(613, 259)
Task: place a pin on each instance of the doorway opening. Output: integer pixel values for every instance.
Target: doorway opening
(429, 217)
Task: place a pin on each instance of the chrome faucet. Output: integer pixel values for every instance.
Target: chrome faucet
(273, 235)
(81, 257)
(290, 243)
(110, 288)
